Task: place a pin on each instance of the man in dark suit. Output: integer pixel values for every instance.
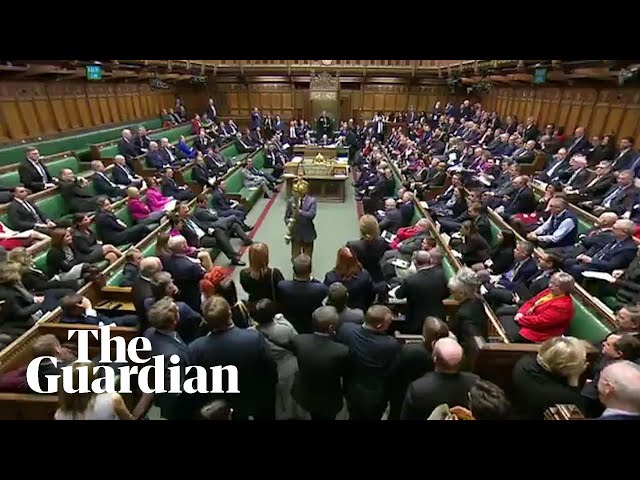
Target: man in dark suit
(185, 271)
(619, 390)
(154, 159)
(524, 267)
(127, 148)
(446, 384)
(424, 291)
(300, 297)
(531, 131)
(34, 174)
(620, 198)
(324, 126)
(209, 218)
(392, 219)
(522, 200)
(141, 140)
(413, 361)
(170, 154)
(164, 317)
(322, 365)
(596, 188)
(299, 215)
(557, 168)
(123, 175)
(627, 155)
(579, 144)
(223, 205)
(113, 231)
(142, 290)
(246, 350)
(615, 255)
(170, 187)
(212, 111)
(371, 355)
(78, 309)
(200, 236)
(24, 215)
(103, 184)
(202, 142)
(580, 176)
(75, 192)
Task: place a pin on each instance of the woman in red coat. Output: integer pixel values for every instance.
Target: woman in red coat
(548, 314)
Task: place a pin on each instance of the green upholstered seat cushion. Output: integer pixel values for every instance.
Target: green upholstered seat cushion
(587, 325)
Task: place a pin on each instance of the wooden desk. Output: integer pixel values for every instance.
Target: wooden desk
(328, 189)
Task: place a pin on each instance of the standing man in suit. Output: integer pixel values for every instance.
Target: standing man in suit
(424, 291)
(299, 216)
(34, 174)
(164, 317)
(446, 384)
(212, 112)
(248, 351)
(322, 365)
(619, 391)
(324, 126)
(371, 356)
(24, 215)
(300, 297)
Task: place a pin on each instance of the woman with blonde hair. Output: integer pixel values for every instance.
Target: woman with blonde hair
(471, 317)
(21, 309)
(371, 247)
(89, 406)
(549, 378)
(258, 279)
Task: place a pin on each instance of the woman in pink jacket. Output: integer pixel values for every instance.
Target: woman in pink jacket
(140, 211)
(155, 200)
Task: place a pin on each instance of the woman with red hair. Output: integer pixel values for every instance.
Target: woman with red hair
(349, 272)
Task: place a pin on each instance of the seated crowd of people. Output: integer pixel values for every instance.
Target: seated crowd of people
(307, 348)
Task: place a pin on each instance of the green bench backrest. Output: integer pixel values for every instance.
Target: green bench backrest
(230, 151)
(235, 182)
(495, 230)
(124, 214)
(41, 261)
(258, 160)
(56, 167)
(16, 153)
(587, 325)
(10, 179)
(449, 271)
(584, 226)
(54, 207)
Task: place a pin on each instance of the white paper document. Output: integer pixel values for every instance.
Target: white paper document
(599, 276)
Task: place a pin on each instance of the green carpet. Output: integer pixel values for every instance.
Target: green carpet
(336, 224)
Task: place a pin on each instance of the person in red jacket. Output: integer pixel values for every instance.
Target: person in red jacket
(404, 233)
(548, 314)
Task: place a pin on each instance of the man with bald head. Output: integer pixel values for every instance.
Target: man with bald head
(414, 361)
(322, 365)
(141, 289)
(103, 184)
(617, 254)
(425, 290)
(76, 193)
(371, 355)
(522, 199)
(127, 147)
(619, 391)
(446, 384)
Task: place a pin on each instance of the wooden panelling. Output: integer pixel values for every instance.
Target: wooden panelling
(31, 110)
(600, 112)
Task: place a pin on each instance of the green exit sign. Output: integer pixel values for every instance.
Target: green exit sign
(94, 72)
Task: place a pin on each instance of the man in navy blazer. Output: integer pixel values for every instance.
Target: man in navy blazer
(164, 317)
(225, 207)
(616, 254)
(153, 158)
(300, 297)
(246, 350)
(300, 213)
(123, 175)
(170, 188)
(619, 391)
(103, 184)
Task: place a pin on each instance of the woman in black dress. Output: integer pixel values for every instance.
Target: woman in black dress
(258, 279)
(87, 245)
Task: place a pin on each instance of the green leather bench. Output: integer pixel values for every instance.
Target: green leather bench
(172, 134)
(77, 143)
(55, 167)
